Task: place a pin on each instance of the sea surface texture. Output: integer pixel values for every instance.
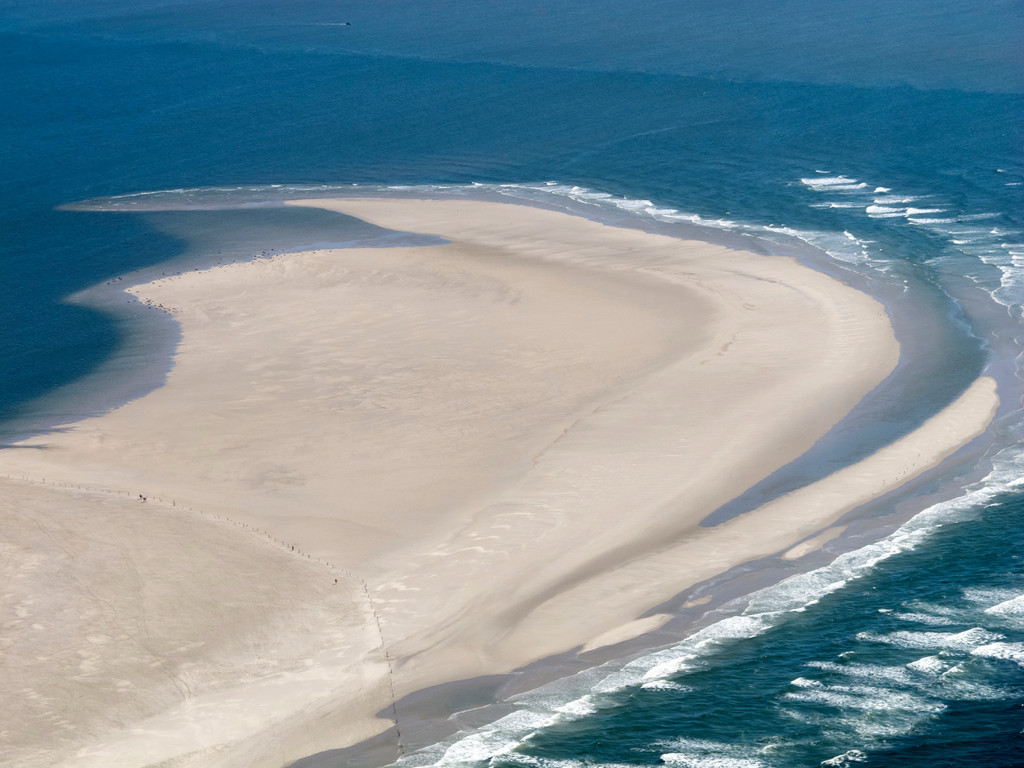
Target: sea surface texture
(881, 141)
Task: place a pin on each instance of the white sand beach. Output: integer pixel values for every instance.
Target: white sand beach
(374, 470)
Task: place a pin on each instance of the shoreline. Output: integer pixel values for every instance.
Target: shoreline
(648, 376)
(66, 400)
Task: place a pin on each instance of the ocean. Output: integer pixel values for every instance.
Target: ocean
(880, 142)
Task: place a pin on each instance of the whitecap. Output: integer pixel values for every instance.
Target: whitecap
(990, 595)
(665, 685)
(1000, 650)
(867, 698)
(926, 618)
(585, 705)
(930, 676)
(843, 760)
(833, 184)
(876, 673)
(704, 753)
(804, 682)
(949, 641)
(884, 212)
(932, 221)
(960, 683)
(709, 761)
(890, 199)
(628, 204)
(1013, 606)
(930, 665)
(731, 628)
(499, 738)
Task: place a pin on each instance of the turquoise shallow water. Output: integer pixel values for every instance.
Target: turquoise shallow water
(884, 139)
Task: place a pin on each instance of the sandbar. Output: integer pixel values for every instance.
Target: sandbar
(374, 470)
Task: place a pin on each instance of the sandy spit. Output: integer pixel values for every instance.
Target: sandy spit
(375, 470)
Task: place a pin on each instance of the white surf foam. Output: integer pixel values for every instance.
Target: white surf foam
(834, 184)
(1010, 608)
(862, 713)
(934, 677)
(531, 761)
(961, 683)
(866, 698)
(893, 199)
(991, 597)
(846, 759)
(1001, 650)
(484, 744)
(885, 212)
(690, 760)
(703, 753)
(926, 618)
(951, 641)
(929, 665)
(665, 685)
(992, 248)
(874, 701)
(874, 673)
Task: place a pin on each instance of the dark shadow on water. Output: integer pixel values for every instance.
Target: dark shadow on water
(75, 360)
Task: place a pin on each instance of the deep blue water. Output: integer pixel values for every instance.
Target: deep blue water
(886, 135)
